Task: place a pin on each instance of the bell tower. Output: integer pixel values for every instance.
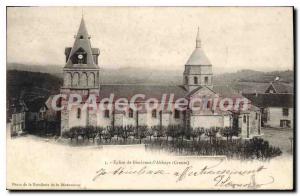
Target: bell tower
(198, 69)
(81, 77)
(81, 70)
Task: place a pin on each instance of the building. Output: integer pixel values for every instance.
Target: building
(278, 87)
(276, 105)
(81, 76)
(40, 117)
(16, 116)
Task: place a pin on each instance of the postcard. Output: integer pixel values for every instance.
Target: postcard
(150, 98)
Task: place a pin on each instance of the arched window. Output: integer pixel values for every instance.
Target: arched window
(154, 114)
(106, 113)
(176, 114)
(195, 80)
(208, 104)
(83, 79)
(130, 113)
(206, 80)
(91, 79)
(67, 79)
(75, 79)
(78, 113)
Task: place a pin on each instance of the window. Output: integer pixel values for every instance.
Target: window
(195, 80)
(130, 113)
(41, 115)
(256, 116)
(176, 114)
(285, 123)
(271, 91)
(106, 113)
(285, 111)
(206, 80)
(153, 113)
(208, 104)
(244, 119)
(186, 80)
(78, 113)
(81, 37)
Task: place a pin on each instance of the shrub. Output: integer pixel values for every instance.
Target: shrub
(255, 148)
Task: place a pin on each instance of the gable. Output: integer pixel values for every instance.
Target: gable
(271, 89)
(202, 92)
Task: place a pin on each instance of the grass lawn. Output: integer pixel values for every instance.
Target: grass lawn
(279, 138)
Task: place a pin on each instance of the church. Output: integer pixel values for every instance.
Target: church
(82, 76)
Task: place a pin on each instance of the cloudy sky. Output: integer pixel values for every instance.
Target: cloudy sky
(161, 37)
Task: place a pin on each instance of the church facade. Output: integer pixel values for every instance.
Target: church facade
(82, 76)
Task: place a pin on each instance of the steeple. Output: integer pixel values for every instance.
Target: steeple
(81, 52)
(198, 68)
(198, 40)
(82, 31)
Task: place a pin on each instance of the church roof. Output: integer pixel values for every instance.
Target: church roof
(82, 41)
(150, 91)
(198, 56)
(225, 91)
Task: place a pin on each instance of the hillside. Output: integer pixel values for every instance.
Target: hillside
(155, 76)
(255, 76)
(31, 84)
(34, 81)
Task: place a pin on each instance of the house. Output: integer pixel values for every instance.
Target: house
(277, 109)
(276, 104)
(82, 77)
(278, 87)
(16, 116)
(40, 116)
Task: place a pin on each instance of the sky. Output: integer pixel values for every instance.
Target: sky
(233, 38)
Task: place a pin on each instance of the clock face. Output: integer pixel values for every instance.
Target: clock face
(80, 56)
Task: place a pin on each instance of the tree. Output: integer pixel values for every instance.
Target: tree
(111, 131)
(106, 135)
(182, 131)
(118, 131)
(200, 131)
(126, 132)
(149, 132)
(91, 132)
(171, 131)
(156, 131)
(99, 131)
(226, 132)
(141, 132)
(211, 133)
(193, 133)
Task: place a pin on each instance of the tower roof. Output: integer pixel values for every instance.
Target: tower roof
(82, 42)
(198, 56)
